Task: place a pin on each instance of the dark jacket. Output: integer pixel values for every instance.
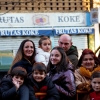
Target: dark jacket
(46, 86)
(25, 64)
(9, 92)
(72, 54)
(65, 83)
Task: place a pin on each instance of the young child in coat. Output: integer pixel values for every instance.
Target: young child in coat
(95, 82)
(43, 52)
(39, 82)
(12, 85)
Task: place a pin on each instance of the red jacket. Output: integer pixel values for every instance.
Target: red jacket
(95, 96)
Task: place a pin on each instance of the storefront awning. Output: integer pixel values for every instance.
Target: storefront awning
(45, 31)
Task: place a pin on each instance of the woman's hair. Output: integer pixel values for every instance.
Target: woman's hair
(95, 74)
(19, 71)
(85, 52)
(20, 53)
(42, 39)
(40, 67)
(62, 64)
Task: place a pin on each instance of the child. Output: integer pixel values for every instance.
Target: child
(95, 82)
(12, 85)
(61, 72)
(39, 82)
(43, 52)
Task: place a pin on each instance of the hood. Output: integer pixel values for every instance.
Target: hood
(37, 84)
(38, 50)
(72, 51)
(30, 77)
(7, 78)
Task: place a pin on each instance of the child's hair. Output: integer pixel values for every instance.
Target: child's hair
(42, 39)
(39, 66)
(19, 71)
(64, 62)
(95, 74)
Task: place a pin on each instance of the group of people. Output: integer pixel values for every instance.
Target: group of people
(57, 73)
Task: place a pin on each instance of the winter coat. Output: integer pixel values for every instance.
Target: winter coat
(95, 96)
(9, 91)
(81, 79)
(25, 64)
(46, 86)
(64, 82)
(42, 56)
(72, 54)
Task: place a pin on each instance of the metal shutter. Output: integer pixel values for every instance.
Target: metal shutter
(12, 43)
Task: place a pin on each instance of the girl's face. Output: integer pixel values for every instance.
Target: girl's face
(28, 49)
(55, 57)
(88, 62)
(96, 84)
(38, 75)
(46, 45)
(18, 79)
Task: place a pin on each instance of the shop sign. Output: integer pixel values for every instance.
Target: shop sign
(74, 30)
(45, 31)
(43, 19)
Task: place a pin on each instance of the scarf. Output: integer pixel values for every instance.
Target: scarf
(86, 73)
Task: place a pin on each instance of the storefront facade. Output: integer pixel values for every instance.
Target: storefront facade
(16, 27)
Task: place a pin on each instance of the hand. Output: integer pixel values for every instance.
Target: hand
(88, 87)
(17, 84)
(84, 86)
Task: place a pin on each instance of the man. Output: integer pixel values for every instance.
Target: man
(65, 41)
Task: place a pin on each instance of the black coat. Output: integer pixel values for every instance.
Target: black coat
(46, 86)
(25, 64)
(9, 92)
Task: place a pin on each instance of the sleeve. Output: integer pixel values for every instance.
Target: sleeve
(40, 58)
(7, 91)
(67, 85)
(24, 92)
(52, 92)
(78, 78)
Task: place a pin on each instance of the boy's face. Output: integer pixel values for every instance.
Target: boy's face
(18, 80)
(39, 75)
(96, 84)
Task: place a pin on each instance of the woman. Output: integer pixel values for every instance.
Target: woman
(61, 72)
(25, 56)
(88, 63)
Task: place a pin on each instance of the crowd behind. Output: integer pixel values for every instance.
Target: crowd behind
(47, 73)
